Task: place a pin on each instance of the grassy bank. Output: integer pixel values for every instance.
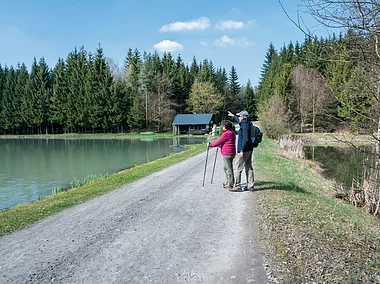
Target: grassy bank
(23, 215)
(306, 235)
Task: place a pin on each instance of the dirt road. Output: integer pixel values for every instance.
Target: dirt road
(165, 228)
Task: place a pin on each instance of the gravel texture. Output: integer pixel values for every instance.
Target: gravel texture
(165, 228)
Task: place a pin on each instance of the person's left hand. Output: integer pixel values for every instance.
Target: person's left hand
(241, 154)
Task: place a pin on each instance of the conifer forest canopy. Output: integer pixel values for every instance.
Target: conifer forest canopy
(87, 93)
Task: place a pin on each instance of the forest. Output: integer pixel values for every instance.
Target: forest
(321, 84)
(325, 84)
(86, 93)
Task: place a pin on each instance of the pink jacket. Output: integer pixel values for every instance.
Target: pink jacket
(227, 143)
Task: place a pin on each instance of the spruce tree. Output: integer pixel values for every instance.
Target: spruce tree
(221, 83)
(234, 102)
(194, 69)
(59, 105)
(133, 65)
(21, 93)
(181, 85)
(270, 55)
(250, 103)
(40, 95)
(2, 82)
(9, 102)
(77, 68)
(119, 105)
(206, 72)
(100, 98)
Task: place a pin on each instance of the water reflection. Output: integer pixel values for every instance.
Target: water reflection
(32, 168)
(343, 164)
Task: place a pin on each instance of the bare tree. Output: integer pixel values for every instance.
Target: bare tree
(360, 19)
(159, 106)
(312, 96)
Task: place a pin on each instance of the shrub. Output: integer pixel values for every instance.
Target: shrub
(274, 117)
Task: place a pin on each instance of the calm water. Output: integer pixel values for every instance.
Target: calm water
(32, 168)
(342, 164)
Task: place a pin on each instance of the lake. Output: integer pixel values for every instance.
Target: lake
(32, 168)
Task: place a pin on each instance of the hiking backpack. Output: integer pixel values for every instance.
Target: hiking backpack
(256, 135)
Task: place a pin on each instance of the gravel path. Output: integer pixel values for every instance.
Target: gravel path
(165, 228)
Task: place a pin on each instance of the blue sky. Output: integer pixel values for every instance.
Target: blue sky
(228, 33)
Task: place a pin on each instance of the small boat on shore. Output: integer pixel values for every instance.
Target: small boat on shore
(147, 133)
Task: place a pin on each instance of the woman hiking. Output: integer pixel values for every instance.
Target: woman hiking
(227, 143)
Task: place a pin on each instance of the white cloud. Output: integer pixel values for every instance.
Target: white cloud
(229, 25)
(199, 24)
(233, 25)
(225, 40)
(252, 22)
(168, 45)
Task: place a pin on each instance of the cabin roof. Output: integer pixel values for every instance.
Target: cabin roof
(193, 119)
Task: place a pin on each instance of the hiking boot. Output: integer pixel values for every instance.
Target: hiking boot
(226, 185)
(236, 189)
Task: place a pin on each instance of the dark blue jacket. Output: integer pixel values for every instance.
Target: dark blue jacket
(244, 143)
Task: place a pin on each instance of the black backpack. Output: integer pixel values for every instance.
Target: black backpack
(256, 135)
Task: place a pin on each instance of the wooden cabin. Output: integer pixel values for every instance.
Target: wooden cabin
(193, 124)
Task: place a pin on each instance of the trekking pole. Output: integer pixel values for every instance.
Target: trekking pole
(216, 153)
(204, 173)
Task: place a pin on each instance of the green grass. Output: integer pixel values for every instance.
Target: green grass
(313, 236)
(26, 214)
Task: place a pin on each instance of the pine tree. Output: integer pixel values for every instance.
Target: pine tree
(206, 72)
(40, 95)
(120, 104)
(9, 102)
(100, 79)
(221, 80)
(2, 83)
(250, 103)
(168, 66)
(59, 105)
(77, 68)
(221, 84)
(21, 93)
(234, 102)
(194, 69)
(269, 57)
(133, 65)
(181, 85)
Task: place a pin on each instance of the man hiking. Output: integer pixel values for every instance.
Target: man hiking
(244, 151)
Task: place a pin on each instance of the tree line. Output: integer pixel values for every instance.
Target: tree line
(88, 93)
(325, 84)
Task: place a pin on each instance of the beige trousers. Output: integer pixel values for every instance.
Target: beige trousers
(244, 163)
